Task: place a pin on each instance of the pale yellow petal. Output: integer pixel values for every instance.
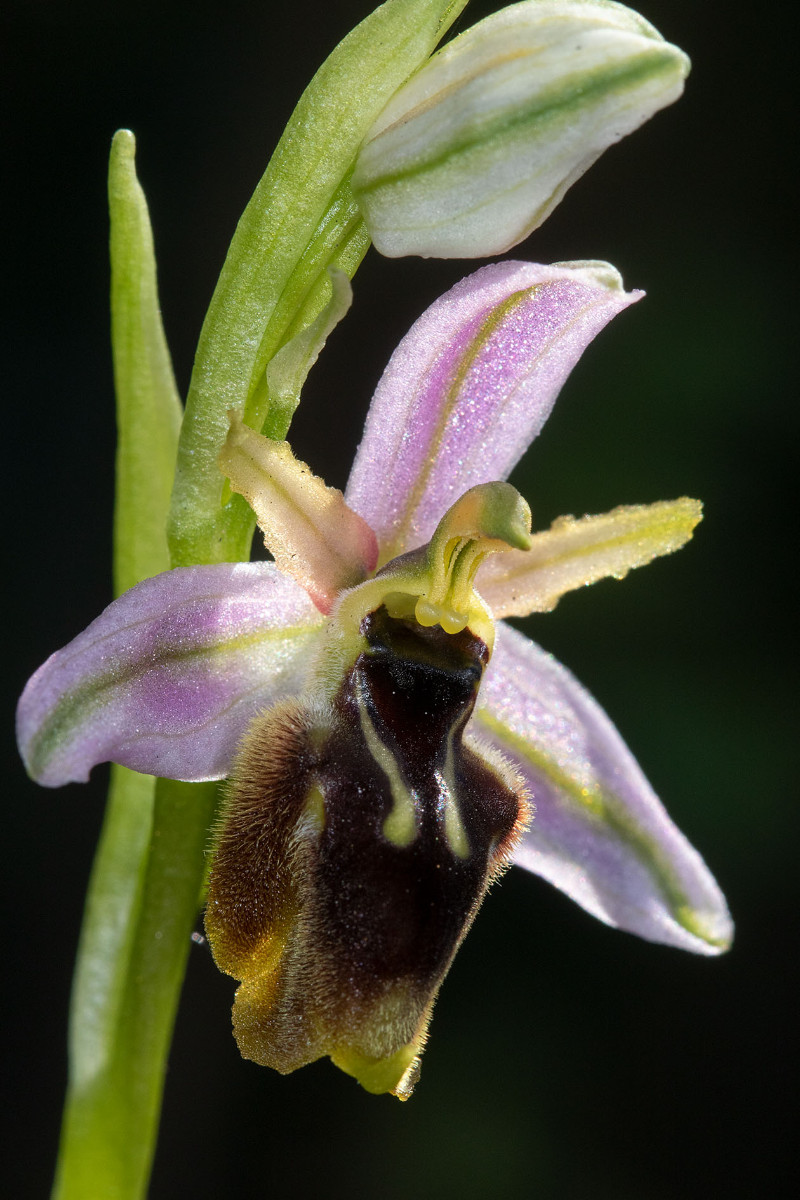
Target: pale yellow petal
(315, 537)
(573, 553)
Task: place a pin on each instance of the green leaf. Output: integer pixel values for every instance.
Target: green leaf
(148, 406)
(114, 1087)
(301, 220)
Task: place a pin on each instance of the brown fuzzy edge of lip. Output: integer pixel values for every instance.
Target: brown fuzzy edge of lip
(341, 938)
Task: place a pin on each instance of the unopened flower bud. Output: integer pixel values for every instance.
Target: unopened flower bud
(478, 147)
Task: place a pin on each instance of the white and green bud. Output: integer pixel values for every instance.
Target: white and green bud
(479, 146)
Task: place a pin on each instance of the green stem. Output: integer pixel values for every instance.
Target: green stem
(90, 1154)
(142, 906)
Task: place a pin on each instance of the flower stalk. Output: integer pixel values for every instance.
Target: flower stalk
(360, 652)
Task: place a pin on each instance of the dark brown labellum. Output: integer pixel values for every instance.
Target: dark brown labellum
(357, 843)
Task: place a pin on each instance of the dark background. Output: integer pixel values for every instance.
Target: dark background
(567, 1061)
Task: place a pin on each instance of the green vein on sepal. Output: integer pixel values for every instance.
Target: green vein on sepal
(77, 705)
(603, 808)
(558, 106)
(475, 347)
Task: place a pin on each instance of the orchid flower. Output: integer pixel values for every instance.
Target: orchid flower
(392, 744)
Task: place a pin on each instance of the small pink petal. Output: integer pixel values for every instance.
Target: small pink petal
(470, 386)
(169, 676)
(314, 537)
(599, 833)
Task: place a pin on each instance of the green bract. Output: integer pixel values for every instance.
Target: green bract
(481, 144)
(275, 281)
